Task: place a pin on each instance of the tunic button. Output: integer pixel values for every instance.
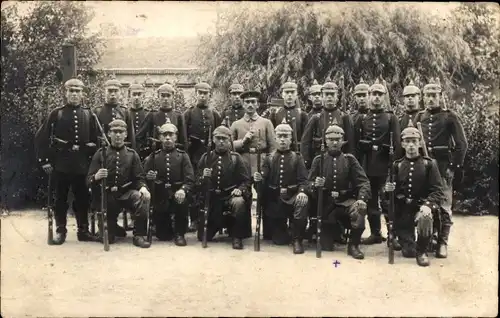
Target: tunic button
(409, 185)
(409, 179)
(281, 171)
(168, 169)
(76, 117)
(411, 168)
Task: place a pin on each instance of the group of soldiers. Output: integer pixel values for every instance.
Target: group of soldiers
(324, 168)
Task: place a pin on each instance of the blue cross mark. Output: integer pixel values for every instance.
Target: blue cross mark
(336, 263)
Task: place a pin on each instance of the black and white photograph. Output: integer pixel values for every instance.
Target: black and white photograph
(249, 159)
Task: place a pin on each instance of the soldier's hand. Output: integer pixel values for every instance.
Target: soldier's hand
(449, 175)
(257, 177)
(207, 172)
(248, 135)
(145, 193)
(319, 182)
(180, 195)
(301, 199)
(90, 144)
(151, 175)
(426, 211)
(361, 205)
(101, 174)
(47, 168)
(390, 187)
(236, 193)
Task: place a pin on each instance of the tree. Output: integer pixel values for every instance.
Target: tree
(31, 55)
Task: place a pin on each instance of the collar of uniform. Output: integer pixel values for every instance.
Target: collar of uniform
(330, 110)
(166, 110)
(411, 112)
(200, 106)
(434, 110)
(248, 118)
(377, 110)
(237, 106)
(73, 106)
(116, 148)
(412, 159)
(136, 109)
(168, 150)
(362, 110)
(334, 153)
(111, 105)
(283, 152)
(220, 153)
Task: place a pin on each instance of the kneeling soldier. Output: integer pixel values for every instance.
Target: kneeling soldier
(173, 176)
(419, 192)
(125, 183)
(284, 177)
(347, 190)
(229, 191)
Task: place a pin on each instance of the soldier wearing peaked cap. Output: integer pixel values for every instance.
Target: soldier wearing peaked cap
(311, 138)
(73, 130)
(172, 175)
(235, 110)
(165, 114)
(361, 97)
(283, 184)
(418, 196)
(348, 189)
(441, 129)
(230, 191)
(411, 98)
(316, 99)
(137, 113)
(290, 110)
(199, 120)
(373, 142)
(125, 183)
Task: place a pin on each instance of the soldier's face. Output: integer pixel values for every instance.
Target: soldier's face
(431, 100)
(411, 101)
(112, 95)
(166, 100)
(330, 98)
(284, 140)
(361, 100)
(235, 99)
(317, 99)
(117, 137)
(137, 98)
(250, 105)
(334, 141)
(289, 95)
(74, 96)
(376, 99)
(222, 143)
(202, 97)
(411, 145)
(168, 139)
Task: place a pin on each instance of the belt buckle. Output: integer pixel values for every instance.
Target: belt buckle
(218, 191)
(283, 190)
(252, 150)
(335, 194)
(167, 185)
(375, 147)
(114, 189)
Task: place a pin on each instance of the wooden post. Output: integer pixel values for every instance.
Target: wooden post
(68, 62)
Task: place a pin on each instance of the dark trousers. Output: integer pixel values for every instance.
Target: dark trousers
(375, 205)
(232, 214)
(170, 218)
(404, 224)
(132, 201)
(63, 182)
(278, 214)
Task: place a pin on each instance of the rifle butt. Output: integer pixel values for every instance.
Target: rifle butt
(256, 242)
(50, 227)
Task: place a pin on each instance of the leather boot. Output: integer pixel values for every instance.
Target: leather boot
(409, 252)
(84, 235)
(395, 244)
(442, 247)
(422, 259)
(373, 239)
(179, 240)
(355, 252)
(60, 238)
(141, 242)
(120, 231)
(375, 236)
(298, 248)
(237, 244)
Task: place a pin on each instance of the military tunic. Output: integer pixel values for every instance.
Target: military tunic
(360, 113)
(233, 114)
(313, 112)
(418, 183)
(174, 172)
(72, 126)
(406, 117)
(125, 177)
(138, 115)
(157, 118)
(110, 112)
(311, 139)
(228, 173)
(287, 113)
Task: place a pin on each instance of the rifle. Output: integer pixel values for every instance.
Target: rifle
(390, 234)
(256, 242)
(294, 127)
(319, 213)
(151, 205)
(207, 194)
(343, 98)
(50, 215)
(422, 141)
(104, 200)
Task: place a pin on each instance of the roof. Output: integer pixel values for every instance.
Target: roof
(149, 52)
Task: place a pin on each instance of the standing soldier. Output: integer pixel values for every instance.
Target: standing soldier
(199, 120)
(441, 127)
(138, 113)
(418, 195)
(316, 99)
(284, 182)
(290, 110)
(373, 149)
(234, 111)
(347, 190)
(173, 178)
(411, 97)
(125, 183)
(252, 132)
(361, 97)
(74, 130)
(166, 113)
(229, 191)
(311, 139)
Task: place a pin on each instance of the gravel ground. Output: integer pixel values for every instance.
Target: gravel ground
(80, 279)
